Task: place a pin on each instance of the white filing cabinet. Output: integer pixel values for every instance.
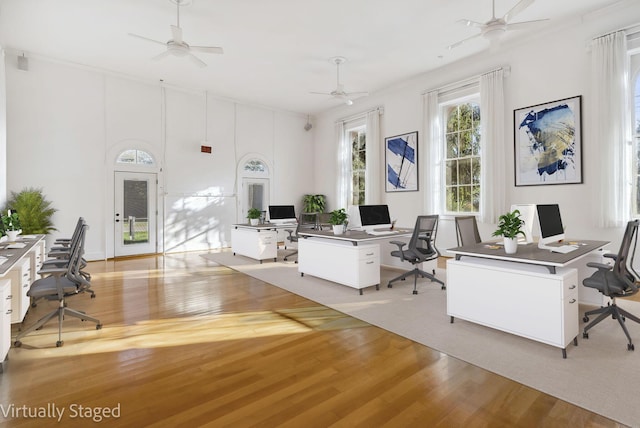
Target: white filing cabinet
(20, 276)
(521, 299)
(36, 257)
(5, 319)
(255, 242)
(341, 262)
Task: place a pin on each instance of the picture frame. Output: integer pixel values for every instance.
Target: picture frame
(401, 162)
(548, 143)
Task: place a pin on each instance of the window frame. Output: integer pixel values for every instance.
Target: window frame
(359, 126)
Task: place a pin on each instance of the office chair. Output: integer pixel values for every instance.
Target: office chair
(421, 249)
(619, 280)
(293, 237)
(59, 285)
(467, 230)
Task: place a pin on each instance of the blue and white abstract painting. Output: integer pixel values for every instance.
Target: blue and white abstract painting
(548, 143)
(402, 162)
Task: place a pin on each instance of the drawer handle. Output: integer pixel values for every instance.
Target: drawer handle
(10, 296)
(9, 311)
(572, 301)
(369, 254)
(25, 285)
(369, 263)
(572, 287)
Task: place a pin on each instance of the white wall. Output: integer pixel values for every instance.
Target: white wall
(550, 67)
(67, 124)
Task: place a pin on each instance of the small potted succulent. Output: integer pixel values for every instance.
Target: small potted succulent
(338, 219)
(509, 227)
(11, 225)
(254, 215)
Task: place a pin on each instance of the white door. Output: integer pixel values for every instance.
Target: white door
(255, 194)
(135, 213)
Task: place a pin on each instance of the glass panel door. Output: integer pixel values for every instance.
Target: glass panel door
(135, 213)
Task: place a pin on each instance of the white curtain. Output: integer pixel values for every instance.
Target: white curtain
(611, 130)
(492, 146)
(434, 156)
(343, 190)
(373, 182)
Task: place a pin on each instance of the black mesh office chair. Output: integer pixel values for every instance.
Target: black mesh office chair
(59, 285)
(421, 248)
(467, 230)
(619, 280)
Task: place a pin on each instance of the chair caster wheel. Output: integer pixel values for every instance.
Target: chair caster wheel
(98, 326)
(33, 305)
(585, 319)
(444, 287)
(630, 347)
(93, 296)
(17, 344)
(585, 335)
(415, 292)
(389, 285)
(59, 343)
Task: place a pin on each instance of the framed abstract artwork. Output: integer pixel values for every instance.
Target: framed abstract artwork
(548, 143)
(401, 155)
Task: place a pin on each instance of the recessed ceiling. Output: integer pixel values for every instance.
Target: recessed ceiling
(275, 52)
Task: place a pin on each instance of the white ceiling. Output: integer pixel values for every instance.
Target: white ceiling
(275, 51)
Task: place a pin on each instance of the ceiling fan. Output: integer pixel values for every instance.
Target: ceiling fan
(494, 28)
(176, 46)
(339, 93)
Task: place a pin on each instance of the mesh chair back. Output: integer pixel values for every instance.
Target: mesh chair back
(467, 231)
(423, 240)
(623, 268)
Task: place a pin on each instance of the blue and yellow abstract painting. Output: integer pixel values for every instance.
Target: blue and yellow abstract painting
(402, 162)
(548, 143)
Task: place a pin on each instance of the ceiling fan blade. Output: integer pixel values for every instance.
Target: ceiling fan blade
(519, 7)
(197, 61)
(207, 49)
(362, 93)
(456, 44)
(176, 33)
(470, 23)
(148, 39)
(320, 93)
(162, 55)
(525, 24)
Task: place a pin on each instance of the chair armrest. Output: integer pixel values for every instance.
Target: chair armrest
(601, 266)
(610, 255)
(400, 244)
(58, 271)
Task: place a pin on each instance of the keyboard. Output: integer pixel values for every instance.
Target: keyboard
(564, 249)
(381, 232)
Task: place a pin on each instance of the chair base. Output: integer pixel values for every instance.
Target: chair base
(415, 272)
(60, 312)
(293, 253)
(616, 313)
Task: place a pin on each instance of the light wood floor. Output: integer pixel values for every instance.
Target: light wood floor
(188, 343)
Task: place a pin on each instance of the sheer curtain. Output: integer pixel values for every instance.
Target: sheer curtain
(492, 146)
(611, 130)
(344, 167)
(373, 182)
(434, 156)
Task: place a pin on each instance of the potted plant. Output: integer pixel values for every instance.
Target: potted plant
(338, 219)
(11, 225)
(313, 203)
(254, 215)
(35, 211)
(509, 227)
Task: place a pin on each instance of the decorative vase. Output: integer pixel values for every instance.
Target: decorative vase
(12, 235)
(510, 245)
(338, 229)
(254, 221)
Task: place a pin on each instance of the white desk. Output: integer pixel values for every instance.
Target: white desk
(351, 259)
(259, 242)
(533, 293)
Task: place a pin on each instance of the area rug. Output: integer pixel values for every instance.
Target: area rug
(599, 374)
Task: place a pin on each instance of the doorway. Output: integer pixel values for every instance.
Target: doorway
(135, 215)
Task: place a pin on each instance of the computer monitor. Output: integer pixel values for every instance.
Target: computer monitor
(282, 214)
(551, 229)
(528, 215)
(374, 217)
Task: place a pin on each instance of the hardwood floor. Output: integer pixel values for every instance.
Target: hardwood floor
(186, 342)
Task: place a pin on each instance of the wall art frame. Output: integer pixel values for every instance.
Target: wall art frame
(548, 143)
(401, 162)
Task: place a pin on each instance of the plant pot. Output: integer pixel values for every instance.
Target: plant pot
(510, 245)
(12, 235)
(338, 229)
(254, 221)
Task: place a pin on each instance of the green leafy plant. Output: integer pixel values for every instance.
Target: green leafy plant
(34, 210)
(313, 203)
(510, 225)
(338, 217)
(10, 221)
(253, 213)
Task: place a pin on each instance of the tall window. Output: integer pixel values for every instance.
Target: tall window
(358, 139)
(462, 156)
(635, 115)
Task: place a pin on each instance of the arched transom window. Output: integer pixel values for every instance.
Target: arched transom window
(135, 157)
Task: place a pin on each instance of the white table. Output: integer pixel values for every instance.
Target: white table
(533, 293)
(351, 259)
(259, 242)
